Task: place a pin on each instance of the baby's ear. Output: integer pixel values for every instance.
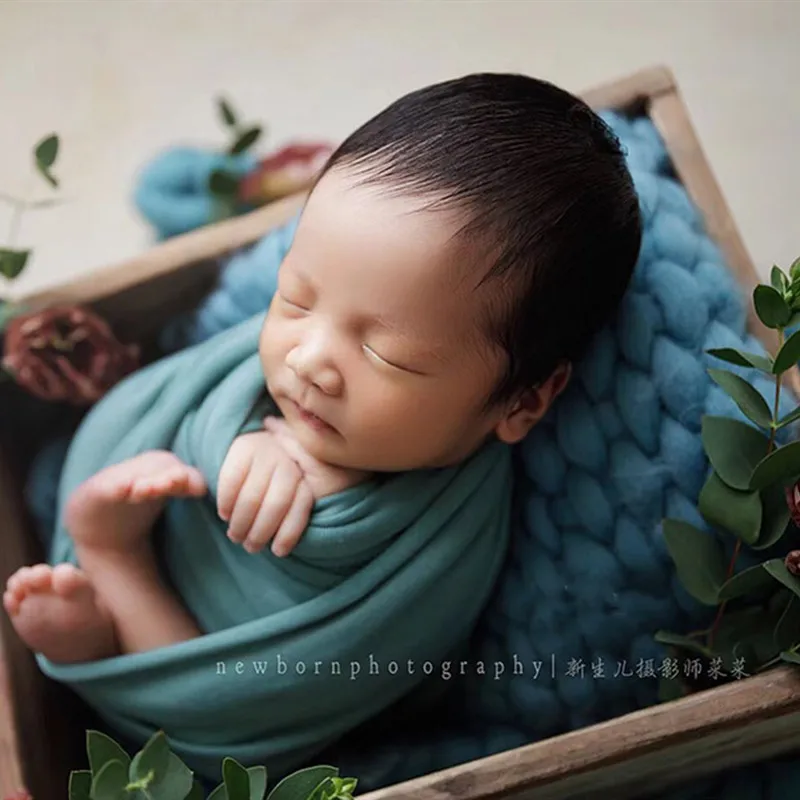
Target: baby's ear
(533, 405)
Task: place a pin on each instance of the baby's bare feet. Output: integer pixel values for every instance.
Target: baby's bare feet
(117, 508)
(56, 612)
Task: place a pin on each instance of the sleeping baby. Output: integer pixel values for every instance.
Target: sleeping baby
(455, 257)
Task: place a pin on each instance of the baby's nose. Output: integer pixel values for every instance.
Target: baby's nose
(312, 366)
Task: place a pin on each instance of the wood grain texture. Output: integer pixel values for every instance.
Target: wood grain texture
(747, 720)
(10, 761)
(740, 722)
(635, 89)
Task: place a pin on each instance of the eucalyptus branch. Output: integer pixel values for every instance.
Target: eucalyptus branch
(12, 260)
(751, 493)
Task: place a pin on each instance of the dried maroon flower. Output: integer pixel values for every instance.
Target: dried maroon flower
(793, 501)
(66, 353)
(792, 562)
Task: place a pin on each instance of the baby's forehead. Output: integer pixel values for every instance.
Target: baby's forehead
(386, 223)
(400, 257)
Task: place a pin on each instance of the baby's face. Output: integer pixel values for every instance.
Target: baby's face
(371, 331)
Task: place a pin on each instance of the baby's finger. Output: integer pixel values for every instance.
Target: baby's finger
(235, 469)
(274, 506)
(295, 522)
(294, 449)
(195, 482)
(248, 502)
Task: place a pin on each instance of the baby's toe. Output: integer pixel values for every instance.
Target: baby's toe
(10, 602)
(19, 579)
(68, 580)
(40, 578)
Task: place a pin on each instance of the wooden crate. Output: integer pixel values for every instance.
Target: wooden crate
(732, 724)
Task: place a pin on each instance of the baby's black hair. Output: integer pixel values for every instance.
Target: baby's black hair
(544, 188)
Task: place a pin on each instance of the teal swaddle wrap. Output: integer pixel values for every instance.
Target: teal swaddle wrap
(395, 569)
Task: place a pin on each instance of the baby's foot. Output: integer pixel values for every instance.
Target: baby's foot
(117, 508)
(56, 612)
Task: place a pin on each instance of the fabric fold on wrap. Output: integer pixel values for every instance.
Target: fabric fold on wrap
(296, 651)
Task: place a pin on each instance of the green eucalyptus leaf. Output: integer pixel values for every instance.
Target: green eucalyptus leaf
(258, 782)
(748, 633)
(80, 785)
(775, 517)
(794, 270)
(324, 791)
(153, 759)
(790, 657)
(683, 642)
(770, 306)
(747, 397)
(176, 781)
(788, 355)
(46, 151)
(737, 512)
(778, 570)
(779, 281)
(12, 262)
(738, 630)
(196, 792)
(49, 177)
(302, 783)
(226, 112)
(734, 449)
(753, 580)
(781, 466)
(220, 793)
(110, 781)
(245, 141)
(787, 630)
(101, 749)
(762, 645)
(789, 418)
(699, 560)
(742, 359)
(236, 780)
(222, 183)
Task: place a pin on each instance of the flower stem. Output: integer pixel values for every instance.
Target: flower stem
(776, 403)
(770, 447)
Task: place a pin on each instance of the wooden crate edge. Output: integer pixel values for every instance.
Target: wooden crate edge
(741, 710)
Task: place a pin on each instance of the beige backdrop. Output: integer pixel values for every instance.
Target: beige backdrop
(120, 79)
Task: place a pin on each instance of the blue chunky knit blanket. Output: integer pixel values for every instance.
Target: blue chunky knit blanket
(588, 579)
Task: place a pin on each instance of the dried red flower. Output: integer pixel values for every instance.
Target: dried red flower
(793, 501)
(66, 353)
(792, 562)
(289, 170)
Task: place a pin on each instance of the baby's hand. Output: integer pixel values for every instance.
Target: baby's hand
(262, 495)
(324, 479)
